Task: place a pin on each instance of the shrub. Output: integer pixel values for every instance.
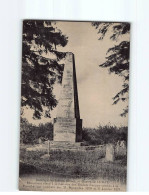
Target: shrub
(104, 134)
(29, 133)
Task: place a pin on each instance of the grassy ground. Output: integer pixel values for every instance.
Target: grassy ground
(74, 164)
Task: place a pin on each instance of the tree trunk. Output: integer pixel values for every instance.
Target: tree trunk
(110, 152)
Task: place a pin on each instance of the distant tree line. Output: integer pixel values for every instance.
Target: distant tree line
(104, 135)
(29, 133)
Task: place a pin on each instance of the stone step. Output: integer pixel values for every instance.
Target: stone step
(65, 144)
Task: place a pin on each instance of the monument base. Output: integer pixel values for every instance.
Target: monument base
(67, 130)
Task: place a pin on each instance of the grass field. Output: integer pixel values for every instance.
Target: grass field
(75, 164)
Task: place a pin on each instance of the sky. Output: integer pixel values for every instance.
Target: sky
(96, 86)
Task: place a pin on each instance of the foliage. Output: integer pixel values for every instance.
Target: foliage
(29, 133)
(26, 135)
(104, 134)
(41, 65)
(46, 131)
(117, 60)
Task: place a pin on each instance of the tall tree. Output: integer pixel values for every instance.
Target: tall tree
(117, 59)
(41, 65)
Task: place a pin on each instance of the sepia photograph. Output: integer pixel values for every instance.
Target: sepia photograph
(74, 106)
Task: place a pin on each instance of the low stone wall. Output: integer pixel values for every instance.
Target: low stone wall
(119, 150)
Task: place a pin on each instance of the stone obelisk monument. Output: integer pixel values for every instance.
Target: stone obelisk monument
(67, 124)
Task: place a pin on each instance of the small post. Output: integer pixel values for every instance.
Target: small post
(48, 147)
